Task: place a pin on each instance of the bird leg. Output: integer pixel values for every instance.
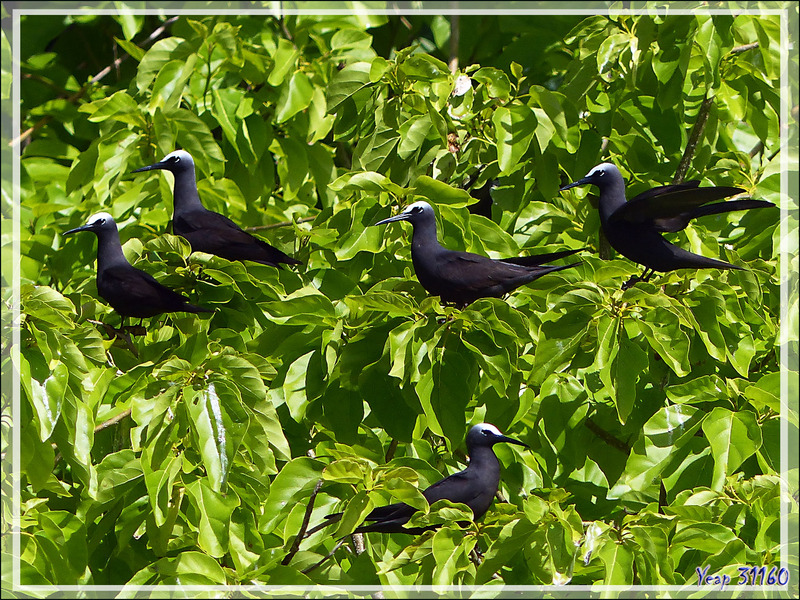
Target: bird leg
(637, 278)
(631, 282)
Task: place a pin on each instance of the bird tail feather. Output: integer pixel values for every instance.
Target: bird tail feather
(196, 309)
(733, 205)
(539, 259)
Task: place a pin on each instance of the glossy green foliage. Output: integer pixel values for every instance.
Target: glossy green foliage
(189, 454)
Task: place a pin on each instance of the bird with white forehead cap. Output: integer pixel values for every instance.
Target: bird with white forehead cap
(634, 227)
(463, 277)
(130, 291)
(206, 230)
(475, 486)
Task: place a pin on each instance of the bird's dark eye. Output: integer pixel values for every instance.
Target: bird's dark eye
(174, 159)
(485, 432)
(416, 209)
(601, 173)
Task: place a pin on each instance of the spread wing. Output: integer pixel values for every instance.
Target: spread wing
(671, 207)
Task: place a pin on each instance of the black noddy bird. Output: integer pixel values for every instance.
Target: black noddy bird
(475, 486)
(206, 230)
(130, 291)
(634, 227)
(463, 277)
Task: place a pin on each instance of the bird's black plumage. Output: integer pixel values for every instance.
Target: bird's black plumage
(634, 227)
(130, 291)
(206, 230)
(463, 277)
(475, 486)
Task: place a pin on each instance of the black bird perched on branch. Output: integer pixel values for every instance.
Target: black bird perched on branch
(463, 277)
(130, 291)
(634, 227)
(206, 230)
(475, 486)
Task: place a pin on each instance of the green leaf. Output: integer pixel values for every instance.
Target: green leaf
(188, 568)
(358, 507)
(451, 553)
(734, 437)
(295, 481)
(444, 391)
(367, 181)
(220, 423)
(284, 60)
(214, 511)
(618, 561)
(514, 128)
(159, 54)
(344, 470)
(496, 82)
(296, 96)
(348, 81)
(412, 135)
(438, 192)
(46, 304)
(664, 334)
(47, 396)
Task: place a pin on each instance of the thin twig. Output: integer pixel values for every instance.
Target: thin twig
(759, 147)
(46, 119)
(328, 521)
(331, 553)
(607, 437)
(103, 425)
(306, 518)
(113, 420)
(694, 138)
(391, 450)
(745, 48)
(281, 224)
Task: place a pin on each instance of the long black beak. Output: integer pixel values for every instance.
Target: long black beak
(505, 438)
(582, 181)
(152, 167)
(400, 217)
(77, 229)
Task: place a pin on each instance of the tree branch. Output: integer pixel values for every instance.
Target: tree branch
(745, 48)
(113, 420)
(306, 518)
(391, 450)
(607, 437)
(455, 31)
(281, 224)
